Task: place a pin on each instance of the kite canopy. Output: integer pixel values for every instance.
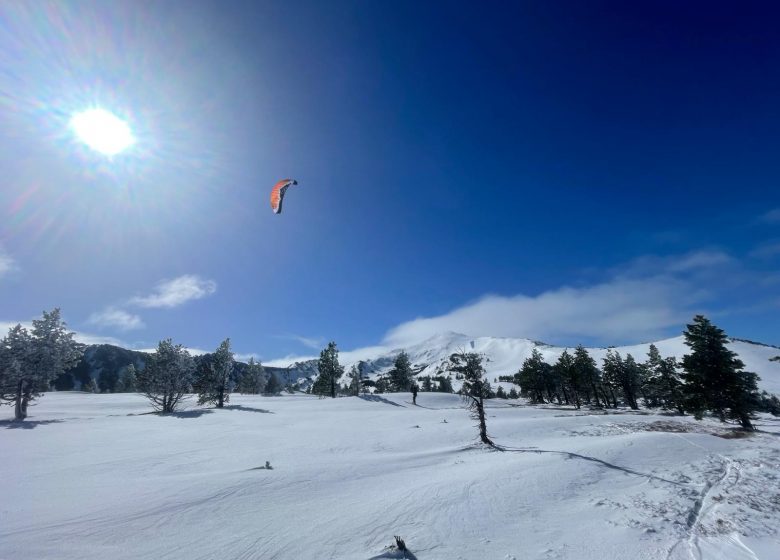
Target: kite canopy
(277, 194)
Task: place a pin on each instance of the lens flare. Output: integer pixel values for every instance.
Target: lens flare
(102, 131)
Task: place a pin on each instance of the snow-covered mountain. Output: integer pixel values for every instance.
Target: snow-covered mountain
(504, 356)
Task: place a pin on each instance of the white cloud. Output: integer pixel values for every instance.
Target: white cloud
(117, 318)
(699, 260)
(7, 263)
(619, 310)
(640, 301)
(309, 342)
(172, 293)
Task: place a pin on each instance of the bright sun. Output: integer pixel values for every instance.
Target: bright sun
(102, 131)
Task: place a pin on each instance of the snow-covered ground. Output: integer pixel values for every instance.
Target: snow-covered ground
(95, 477)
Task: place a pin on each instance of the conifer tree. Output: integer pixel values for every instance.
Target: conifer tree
(662, 380)
(531, 377)
(355, 379)
(213, 383)
(273, 385)
(126, 382)
(167, 376)
(401, 374)
(475, 388)
(34, 359)
(714, 377)
(253, 379)
(587, 372)
(624, 375)
(570, 375)
(513, 393)
(329, 368)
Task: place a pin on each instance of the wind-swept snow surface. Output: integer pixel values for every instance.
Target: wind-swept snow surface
(96, 477)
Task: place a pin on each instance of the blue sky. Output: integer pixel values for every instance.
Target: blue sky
(570, 172)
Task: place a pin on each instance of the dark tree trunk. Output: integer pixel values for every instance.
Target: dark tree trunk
(480, 406)
(596, 395)
(20, 402)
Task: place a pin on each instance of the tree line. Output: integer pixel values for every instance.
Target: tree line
(711, 378)
(30, 360)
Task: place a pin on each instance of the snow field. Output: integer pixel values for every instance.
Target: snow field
(96, 476)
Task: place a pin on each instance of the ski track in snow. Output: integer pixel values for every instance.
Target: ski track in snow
(348, 474)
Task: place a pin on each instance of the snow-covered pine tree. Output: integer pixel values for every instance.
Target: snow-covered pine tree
(92, 386)
(126, 383)
(167, 377)
(714, 377)
(36, 358)
(329, 368)
(355, 379)
(475, 388)
(213, 383)
(401, 374)
(253, 379)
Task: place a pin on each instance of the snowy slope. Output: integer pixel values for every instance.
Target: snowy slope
(504, 356)
(94, 477)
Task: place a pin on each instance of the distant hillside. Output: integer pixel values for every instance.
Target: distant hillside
(105, 362)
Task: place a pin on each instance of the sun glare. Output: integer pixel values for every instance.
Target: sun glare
(102, 131)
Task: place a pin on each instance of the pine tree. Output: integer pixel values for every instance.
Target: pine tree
(273, 385)
(445, 385)
(587, 372)
(329, 368)
(34, 359)
(253, 379)
(713, 376)
(475, 388)
(92, 386)
(624, 375)
(167, 376)
(401, 374)
(531, 377)
(500, 393)
(355, 379)
(126, 383)
(213, 383)
(662, 381)
(570, 376)
(513, 393)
